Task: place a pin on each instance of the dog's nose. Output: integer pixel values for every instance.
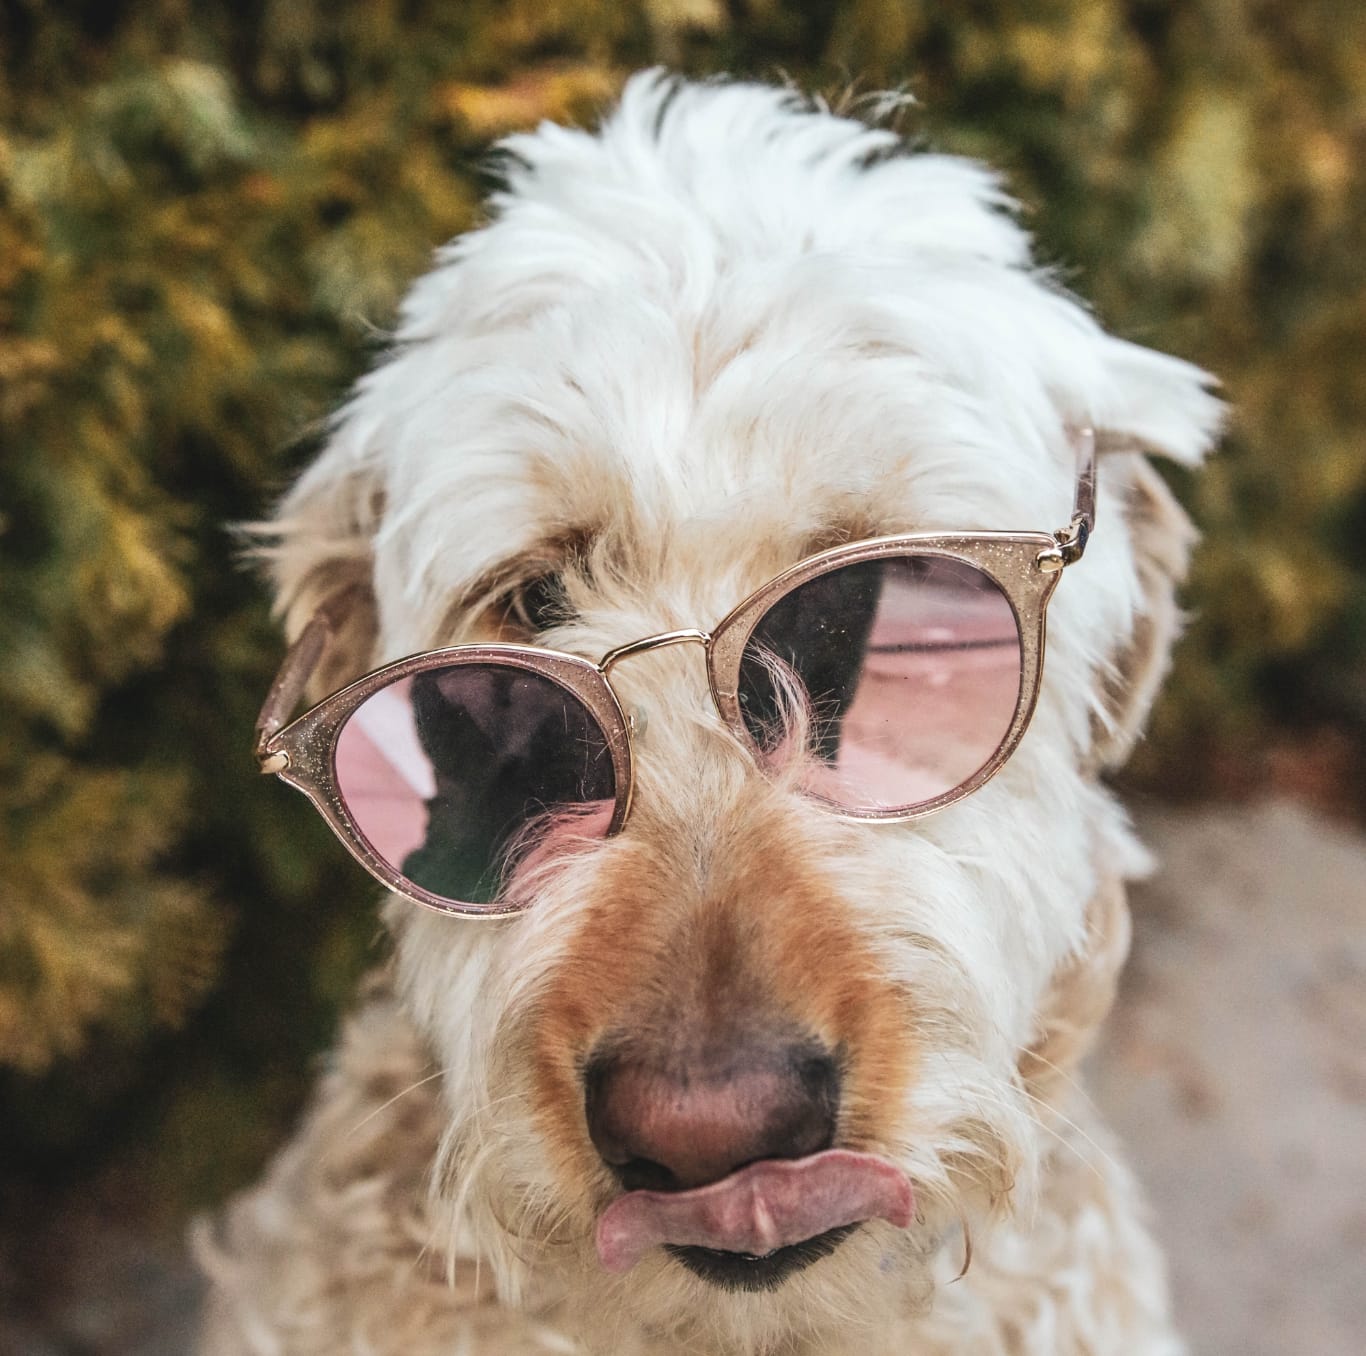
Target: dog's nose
(692, 1121)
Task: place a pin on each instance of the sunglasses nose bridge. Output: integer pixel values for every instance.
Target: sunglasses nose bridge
(637, 716)
(648, 643)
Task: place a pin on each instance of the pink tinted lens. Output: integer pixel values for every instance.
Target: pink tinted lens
(457, 774)
(899, 676)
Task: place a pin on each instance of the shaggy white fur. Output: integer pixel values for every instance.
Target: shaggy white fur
(725, 330)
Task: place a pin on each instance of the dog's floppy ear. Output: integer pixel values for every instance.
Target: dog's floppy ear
(319, 550)
(1079, 997)
(1162, 538)
(1161, 405)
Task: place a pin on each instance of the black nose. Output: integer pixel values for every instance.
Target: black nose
(690, 1120)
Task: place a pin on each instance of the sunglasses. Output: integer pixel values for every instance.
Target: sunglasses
(899, 674)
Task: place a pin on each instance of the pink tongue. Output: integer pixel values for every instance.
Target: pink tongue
(768, 1205)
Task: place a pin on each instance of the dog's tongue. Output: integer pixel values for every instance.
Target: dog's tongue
(768, 1205)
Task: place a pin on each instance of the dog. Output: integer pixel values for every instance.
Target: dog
(761, 1029)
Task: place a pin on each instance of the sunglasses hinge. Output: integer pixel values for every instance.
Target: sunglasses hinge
(1070, 546)
(271, 763)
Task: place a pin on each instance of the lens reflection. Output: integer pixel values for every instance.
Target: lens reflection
(454, 774)
(899, 677)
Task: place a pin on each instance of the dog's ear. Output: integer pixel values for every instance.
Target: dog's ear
(1160, 405)
(1162, 537)
(1079, 997)
(1156, 403)
(318, 550)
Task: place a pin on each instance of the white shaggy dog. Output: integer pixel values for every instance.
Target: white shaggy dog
(726, 332)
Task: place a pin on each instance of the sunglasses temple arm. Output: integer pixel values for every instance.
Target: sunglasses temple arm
(300, 663)
(1072, 539)
(1084, 505)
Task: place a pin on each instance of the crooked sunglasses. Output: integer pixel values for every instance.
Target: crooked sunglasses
(901, 672)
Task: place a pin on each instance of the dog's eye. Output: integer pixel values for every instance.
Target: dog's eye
(539, 603)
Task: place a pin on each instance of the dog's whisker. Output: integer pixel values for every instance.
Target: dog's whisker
(532, 1220)
(1049, 1109)
(1069, 1078)
(982, 1096)
(398, 1096)
(967, 1249)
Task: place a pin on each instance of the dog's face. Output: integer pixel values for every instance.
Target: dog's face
(724, 334)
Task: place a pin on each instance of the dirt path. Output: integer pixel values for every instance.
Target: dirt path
(1235, 1069)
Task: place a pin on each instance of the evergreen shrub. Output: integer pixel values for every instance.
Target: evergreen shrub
(207, 213)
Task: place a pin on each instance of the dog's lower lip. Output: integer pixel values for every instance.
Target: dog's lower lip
(744, 1271)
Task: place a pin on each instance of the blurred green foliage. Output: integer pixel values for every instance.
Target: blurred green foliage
(207, 213)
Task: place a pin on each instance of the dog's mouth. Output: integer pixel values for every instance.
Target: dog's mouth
(756, 1227)
(745, 1271)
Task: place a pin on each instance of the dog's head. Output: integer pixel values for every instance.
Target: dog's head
(728, 331)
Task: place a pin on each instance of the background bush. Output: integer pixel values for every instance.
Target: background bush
(207, 213)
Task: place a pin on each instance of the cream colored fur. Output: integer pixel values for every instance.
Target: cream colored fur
(686, 351)
(337, 1250)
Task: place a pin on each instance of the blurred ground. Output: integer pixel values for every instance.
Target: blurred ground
(1235, 1068)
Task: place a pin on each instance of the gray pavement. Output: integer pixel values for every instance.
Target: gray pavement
(1235, 1069)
